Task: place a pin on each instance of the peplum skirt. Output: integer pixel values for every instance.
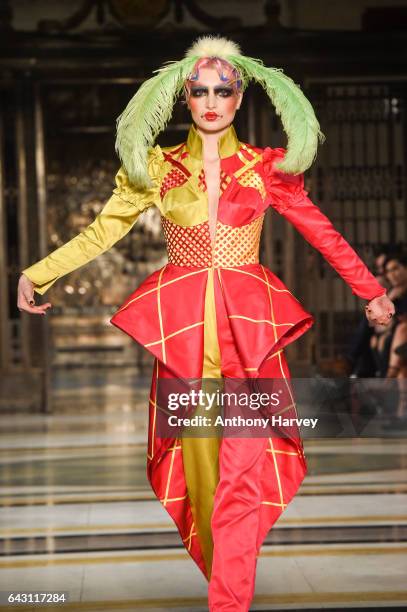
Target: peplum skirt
(223, 493)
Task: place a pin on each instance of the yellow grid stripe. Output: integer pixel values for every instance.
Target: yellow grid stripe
(191, 534)
(270, 503)
(160, 318)
(249, 150)
(248, 165)
(255, 276)
(280, 490)
(179, 331)
(174, 280)
(282, 372)
(281, 452)
(242, 158)
(259, 320)
(167, 488)
(274, 354)
(167, 500)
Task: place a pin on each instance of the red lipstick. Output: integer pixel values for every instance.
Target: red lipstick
(211, 116)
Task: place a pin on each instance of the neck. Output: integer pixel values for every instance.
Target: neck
(210, 142)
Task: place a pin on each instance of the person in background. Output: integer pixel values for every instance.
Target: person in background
(381, 253)
(388, 344)
(397, 359)
(395, 271)
(383, 338)
(359, 360)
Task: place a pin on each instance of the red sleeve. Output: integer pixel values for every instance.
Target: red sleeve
(287, 195)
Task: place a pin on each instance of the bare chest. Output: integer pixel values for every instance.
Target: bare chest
(212, 179)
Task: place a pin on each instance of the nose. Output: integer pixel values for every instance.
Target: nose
(211, 100)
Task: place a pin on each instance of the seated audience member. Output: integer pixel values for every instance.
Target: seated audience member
(381, 341)
(397, 366)
(395, 270)
(359, 360)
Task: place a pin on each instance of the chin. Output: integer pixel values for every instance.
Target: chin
(213, 126)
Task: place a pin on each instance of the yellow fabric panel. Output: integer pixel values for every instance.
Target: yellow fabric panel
(200, 455)
(187, 204)
(113, 222)
(228, 143)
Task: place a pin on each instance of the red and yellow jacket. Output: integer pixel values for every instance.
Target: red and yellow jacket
(261, 313)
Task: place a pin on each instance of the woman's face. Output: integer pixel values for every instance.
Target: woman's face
(396, 273)
(212, 102)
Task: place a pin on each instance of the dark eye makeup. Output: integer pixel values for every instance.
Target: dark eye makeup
(222, 90)
(197, 92)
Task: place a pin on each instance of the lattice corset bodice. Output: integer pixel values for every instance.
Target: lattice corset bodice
(234, 246)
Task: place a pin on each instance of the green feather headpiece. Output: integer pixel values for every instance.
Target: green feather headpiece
(150, 109)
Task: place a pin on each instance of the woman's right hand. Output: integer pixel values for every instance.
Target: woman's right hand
(25, 297)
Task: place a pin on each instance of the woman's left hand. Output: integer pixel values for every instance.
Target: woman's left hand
(380, 310)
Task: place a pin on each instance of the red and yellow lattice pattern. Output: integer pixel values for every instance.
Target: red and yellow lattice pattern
(174, 178)
(237, 246)
(188, 246)
(201, 180)
(251, 178)
(234, 246)
(224, 181)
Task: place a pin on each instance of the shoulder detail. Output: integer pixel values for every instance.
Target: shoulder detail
(275, 154)
(284, 189)
(156, 151)
(175, 151)
(251, 149)
(155, 162)
(141, 197)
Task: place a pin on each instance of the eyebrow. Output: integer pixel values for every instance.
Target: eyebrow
(225, 86)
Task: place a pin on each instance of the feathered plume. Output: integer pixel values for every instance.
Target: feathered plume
(212, 46)
(150, 109)
(296, 112)
(146, 115)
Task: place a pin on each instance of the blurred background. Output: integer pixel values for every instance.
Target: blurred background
(74, 389)
(68, 70)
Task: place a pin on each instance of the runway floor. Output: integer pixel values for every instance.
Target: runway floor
(77, 515)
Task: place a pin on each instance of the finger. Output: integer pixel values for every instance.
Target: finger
(26, 300)
(41, 309)
(31, 311)
(29, 296)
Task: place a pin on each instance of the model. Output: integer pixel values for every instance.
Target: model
(213, 311)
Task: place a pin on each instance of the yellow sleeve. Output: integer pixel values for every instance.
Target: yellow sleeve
(113, 222)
